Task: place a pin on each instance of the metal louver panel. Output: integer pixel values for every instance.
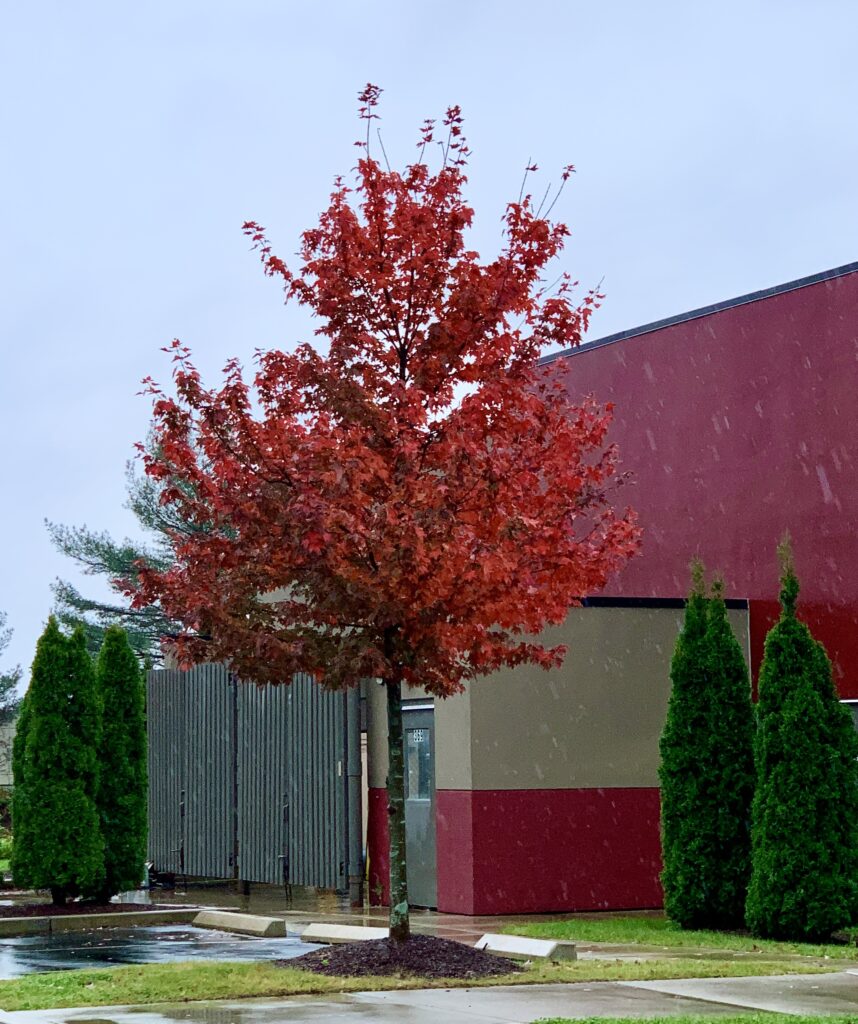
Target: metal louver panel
(189, 721)
(165, 718)
(250, 781)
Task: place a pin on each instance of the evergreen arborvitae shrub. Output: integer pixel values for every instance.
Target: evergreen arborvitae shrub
(19, 788)
(804, 880)
(57, 841)
(706, 771)
(122, 789)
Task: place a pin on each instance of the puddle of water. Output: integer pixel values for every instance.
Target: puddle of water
(250, 1011)
(110, 947)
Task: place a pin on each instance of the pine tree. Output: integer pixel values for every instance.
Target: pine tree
(118, 564)
(706, 769)
(57, 842)
(804, 881)
(122, 789)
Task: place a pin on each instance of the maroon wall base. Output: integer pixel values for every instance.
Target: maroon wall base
(535, 851)
(377, 846)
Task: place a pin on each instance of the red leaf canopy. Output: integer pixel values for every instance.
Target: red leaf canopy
(421, 501)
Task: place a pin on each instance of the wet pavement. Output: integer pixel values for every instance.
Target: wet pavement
(110, 947)
(300, 907)
(304, 906)
(809, 994)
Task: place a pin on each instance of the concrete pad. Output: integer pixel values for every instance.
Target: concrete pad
(811, 994)
(331, 934)
(517, 947)
(244, 924)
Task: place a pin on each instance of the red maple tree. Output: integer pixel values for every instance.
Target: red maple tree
(418, 503)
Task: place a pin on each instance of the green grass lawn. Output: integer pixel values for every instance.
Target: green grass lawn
(739, 1018)
(181, 982)
(658, 931)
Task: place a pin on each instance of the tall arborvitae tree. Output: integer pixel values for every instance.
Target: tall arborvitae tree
(57, 842)
(730, 768)
(19, 787)
(680, 762)
(122, 788)
(804, 880)
(706, 769)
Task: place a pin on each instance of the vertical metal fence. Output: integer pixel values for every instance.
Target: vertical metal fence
(249, 781)
(166, 726)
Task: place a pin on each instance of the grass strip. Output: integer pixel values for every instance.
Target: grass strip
(184, 982)
(658, 931)
(685, 1018)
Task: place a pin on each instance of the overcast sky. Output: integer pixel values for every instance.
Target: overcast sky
(715, 144)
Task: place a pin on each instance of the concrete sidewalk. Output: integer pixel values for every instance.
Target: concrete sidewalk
(516, 1004)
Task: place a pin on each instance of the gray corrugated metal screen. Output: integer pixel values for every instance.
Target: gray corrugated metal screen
(262, 781)
(249, 781)
(291, 784)
(317, 785)
(189, 717)
(165, 717)
(209, 845)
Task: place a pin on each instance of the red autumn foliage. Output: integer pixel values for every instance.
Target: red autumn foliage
(419, 502)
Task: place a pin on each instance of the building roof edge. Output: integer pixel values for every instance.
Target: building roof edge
(696, 314)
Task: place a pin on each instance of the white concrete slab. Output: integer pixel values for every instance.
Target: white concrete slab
(244, 924)
(338, 933)
(516, 947)
(809, 994)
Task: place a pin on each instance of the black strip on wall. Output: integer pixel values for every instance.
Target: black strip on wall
(736, 603)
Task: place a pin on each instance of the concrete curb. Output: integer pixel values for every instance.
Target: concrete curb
(10, 926)
(517, 947)
(244, 924)
(330, 934)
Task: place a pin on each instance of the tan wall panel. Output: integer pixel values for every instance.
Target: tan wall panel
(453, 742)
(376, 700)
(596, 721)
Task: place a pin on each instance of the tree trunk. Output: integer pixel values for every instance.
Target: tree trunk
(59, 896)
(400, 925)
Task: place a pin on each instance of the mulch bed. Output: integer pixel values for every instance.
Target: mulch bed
(422, 955)
(49, 910)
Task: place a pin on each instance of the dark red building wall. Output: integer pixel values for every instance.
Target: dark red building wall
(530, 851)
(736, 426)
